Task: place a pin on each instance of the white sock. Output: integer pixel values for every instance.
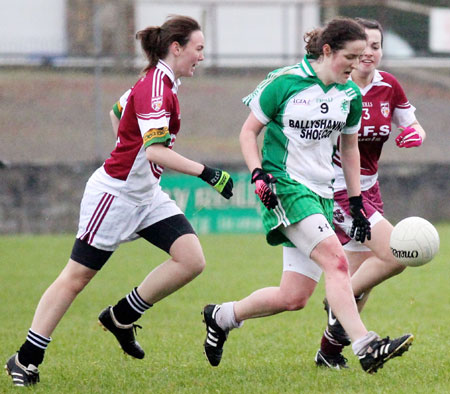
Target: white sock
(225, 318)
(360, 345)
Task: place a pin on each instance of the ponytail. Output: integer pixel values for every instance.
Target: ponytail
(150, 38)
(156, 40)
(312, 40)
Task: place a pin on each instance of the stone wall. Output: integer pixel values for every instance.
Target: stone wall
(41, 199)
(46, 199)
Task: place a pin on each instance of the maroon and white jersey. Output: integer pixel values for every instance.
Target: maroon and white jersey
(384, 103)
(149, 113)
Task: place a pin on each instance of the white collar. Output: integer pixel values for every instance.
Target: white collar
(165, 68)
(377, 77)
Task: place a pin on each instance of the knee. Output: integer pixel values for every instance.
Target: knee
(295, 302)
(395, 268)
(196, 264)
(79, 283)
(330, 255)
(340, 265)
(74, 283)
(188, 252)
(199, 265)
(390, 262)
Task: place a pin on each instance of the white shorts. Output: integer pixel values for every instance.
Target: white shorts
(296, 261)
(106, 221)
(356, 246)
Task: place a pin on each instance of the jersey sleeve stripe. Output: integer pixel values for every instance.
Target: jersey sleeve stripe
(117, 109)
(270, 77)
(350, 92)
(160, 135)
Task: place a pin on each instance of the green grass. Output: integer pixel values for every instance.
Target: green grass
(270, 355)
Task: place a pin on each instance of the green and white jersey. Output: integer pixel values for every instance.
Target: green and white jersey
(303, 119)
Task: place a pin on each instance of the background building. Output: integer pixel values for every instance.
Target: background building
(63, 64)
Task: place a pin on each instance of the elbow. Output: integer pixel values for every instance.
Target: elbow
(243, 135)
(113, 117)
(247, 136)
(155, 153)
(149, 153)
(350, 155)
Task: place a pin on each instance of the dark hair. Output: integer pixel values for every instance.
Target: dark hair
(335, 33)
(156, 40)
(371, 24)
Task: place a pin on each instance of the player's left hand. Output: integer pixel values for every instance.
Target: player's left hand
(263, 182)
(219, 180)
(361, 225)
(408, 138)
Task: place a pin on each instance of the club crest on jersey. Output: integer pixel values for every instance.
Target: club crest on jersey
(345, 107)
(338, 216)
(157, 103)
(385, 109)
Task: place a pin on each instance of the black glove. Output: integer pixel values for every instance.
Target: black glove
(361, 225)
(219, 180)
(262, 181)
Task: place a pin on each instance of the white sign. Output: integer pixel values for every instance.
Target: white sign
(440, 30)
(33, 27)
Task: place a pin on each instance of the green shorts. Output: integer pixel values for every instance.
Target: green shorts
(295, 202)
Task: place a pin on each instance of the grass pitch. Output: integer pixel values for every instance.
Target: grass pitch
(269, 355)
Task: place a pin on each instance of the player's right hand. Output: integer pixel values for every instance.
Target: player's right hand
(219, 180)
(361, 225)
(263, 181)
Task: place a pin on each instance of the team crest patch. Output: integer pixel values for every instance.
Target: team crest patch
(345, 108)
(157, 103)
(338, 216)
(385, 109)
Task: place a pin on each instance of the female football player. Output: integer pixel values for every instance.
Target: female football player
(124, 201)
(305, 108)
(371, 262)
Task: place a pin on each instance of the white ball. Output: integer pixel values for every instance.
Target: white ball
(414, 241)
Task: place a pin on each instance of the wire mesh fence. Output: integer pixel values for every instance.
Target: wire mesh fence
(55, 101)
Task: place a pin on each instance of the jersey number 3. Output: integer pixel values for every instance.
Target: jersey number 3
(366, 114)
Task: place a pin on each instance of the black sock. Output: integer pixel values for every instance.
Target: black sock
(33, 350)
(130, 308)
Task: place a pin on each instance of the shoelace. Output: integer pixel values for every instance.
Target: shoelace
(381, 343)
(32, 375)
(135, 327)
